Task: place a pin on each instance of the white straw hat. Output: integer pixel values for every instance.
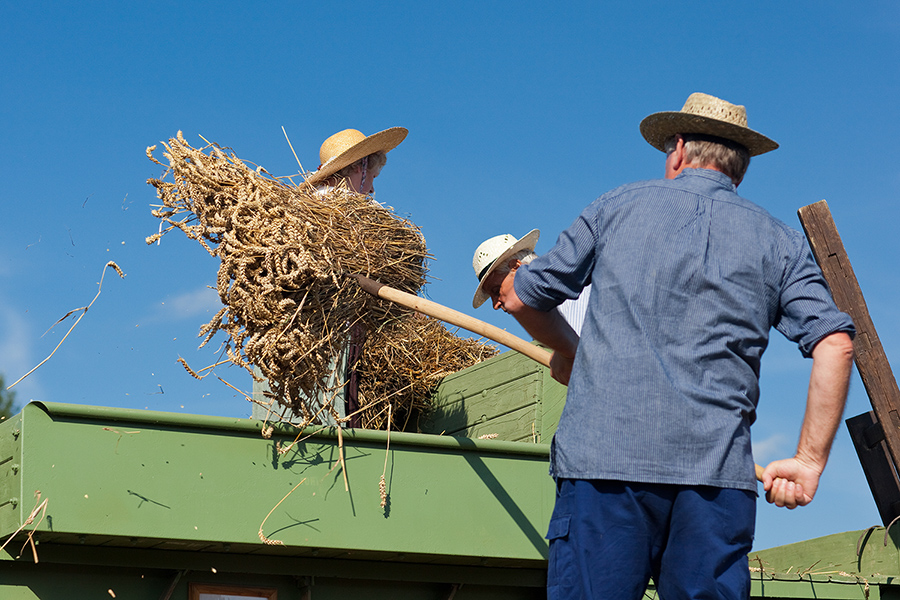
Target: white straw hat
(494, 252)
(348, 146)
(707, 115)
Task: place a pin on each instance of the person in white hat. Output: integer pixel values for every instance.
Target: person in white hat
(652, 457)
(497, 259)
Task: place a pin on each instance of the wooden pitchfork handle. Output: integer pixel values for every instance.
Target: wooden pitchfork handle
(448, 315)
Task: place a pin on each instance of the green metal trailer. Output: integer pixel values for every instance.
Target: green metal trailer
(140, 504)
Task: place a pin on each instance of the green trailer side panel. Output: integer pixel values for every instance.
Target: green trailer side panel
(11, 500)
(553, 400)
(816, 589)
(835, 554)
(151, 478)
(23, 581)
(509, 396)
(855, 564)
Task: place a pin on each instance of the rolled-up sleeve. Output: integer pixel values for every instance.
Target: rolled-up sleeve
(808, 312)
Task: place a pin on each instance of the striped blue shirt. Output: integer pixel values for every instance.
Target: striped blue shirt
(573, 310)
(687, 280)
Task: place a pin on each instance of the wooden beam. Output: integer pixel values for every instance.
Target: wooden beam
(871, 361)
(868, 439)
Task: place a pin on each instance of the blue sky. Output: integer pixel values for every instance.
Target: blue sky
(520, 114)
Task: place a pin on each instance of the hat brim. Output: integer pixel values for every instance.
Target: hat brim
(659, 127)
(383, 141)
(526, 242)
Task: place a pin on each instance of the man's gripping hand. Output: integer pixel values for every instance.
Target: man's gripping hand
(561, 367)
(790, 482)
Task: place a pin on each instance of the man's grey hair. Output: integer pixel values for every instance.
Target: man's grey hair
(523, 256)
(724, 155)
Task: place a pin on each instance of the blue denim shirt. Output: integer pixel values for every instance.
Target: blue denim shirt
(687, 280)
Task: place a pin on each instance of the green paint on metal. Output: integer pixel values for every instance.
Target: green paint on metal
(509, 396)
(854, 564)
(835, 556)
(12, 500)
(553, 400)
(110, 416)
(113, 476)
(258, 562)
(60, 581)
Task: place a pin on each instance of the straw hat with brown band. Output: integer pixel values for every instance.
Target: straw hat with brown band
(708, 115)
(348, 146)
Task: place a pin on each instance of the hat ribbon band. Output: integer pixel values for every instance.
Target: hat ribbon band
(486, 269)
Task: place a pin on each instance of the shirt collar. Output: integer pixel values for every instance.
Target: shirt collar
(711, 174)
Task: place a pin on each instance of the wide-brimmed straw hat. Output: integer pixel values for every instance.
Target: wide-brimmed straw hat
(707, 115)
(494, 252)
(348, 146)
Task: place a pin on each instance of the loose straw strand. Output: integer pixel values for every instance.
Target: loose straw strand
(382, 486)
(340, 436)
(39, 507)
(292, 148)
(84, 310)
(262, 536)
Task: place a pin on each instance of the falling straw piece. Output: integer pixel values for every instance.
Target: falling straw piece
(83, 310)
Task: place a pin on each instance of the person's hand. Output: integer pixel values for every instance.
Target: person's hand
(791, 482)
(561, 367)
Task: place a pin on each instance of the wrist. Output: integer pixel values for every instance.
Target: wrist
(810, 462)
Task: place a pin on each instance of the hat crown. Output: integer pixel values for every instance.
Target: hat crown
(489, 250)
(706, 115)
(704, 105)
(338, 143)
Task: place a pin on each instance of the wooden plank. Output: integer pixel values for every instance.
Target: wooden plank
(485, 392)
(871, 360)
(553, 400)
(519, 425)
(495, 371)
(868, 439)
(461, 413)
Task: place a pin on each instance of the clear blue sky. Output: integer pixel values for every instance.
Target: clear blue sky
(520, 114)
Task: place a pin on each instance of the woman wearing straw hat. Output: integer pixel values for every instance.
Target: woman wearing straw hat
(349, 156)
(354, 160)
(652, 457)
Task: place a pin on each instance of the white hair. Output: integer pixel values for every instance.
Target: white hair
(523, 256)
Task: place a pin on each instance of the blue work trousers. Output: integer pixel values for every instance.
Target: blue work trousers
(608, 538)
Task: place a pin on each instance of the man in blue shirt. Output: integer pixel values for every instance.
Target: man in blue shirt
(652, 458)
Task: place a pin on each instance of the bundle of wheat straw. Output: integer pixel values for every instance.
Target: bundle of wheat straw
(412, 355)
(284, 251)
